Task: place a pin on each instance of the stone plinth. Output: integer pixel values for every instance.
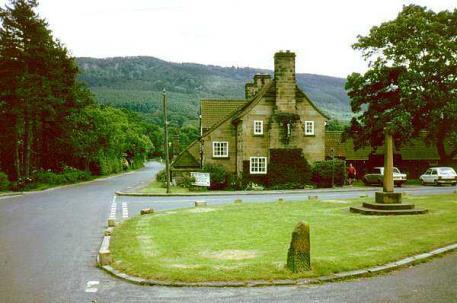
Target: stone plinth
(387, 198)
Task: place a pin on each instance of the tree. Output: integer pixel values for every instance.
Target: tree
(38, 90)
(411, 81)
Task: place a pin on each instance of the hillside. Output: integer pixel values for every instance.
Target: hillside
(136, 83)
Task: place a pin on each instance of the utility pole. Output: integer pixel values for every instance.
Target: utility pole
(333, 168)
(165, 123)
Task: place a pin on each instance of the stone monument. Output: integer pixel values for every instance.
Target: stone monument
(388, 202)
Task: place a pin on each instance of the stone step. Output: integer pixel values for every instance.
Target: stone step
(386, 212)
(390, 206)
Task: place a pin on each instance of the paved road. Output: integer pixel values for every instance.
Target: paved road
(49, 240)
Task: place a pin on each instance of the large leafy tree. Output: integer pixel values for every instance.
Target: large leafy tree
(411, 81)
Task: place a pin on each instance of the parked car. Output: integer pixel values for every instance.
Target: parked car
(376, 177)
(439, 175)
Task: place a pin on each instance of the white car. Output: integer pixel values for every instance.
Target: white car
(439, 175)
(376, 177)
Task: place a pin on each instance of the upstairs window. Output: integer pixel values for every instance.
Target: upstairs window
(258, 127)
(220, 149)
(309, 128)
(258, 165)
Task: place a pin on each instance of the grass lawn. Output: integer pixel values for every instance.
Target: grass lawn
(156, 187)
(250, 240)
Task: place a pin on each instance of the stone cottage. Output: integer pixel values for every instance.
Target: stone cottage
(241, 134)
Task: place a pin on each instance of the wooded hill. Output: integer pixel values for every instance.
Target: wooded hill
(136, 83)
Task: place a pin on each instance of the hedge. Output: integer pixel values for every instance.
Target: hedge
(322, 173)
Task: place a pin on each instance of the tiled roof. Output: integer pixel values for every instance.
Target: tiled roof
(213, 111)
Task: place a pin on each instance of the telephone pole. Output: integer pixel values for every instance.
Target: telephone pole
(165, 123)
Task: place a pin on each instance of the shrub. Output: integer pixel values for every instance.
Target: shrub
(235, 182)
(186, 181)
(218, 175)
(4, 182)
(69, 175)
(322, 173)
(161, 176)
(288, 169)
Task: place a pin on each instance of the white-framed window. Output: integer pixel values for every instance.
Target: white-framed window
(258, 127)
(220, 149)
(258, 165)
(309, 128)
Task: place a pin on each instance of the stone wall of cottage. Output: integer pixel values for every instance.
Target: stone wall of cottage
(225, 132)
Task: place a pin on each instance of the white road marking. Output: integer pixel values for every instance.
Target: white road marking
(113, 209)
(125, 210)
(90, 286)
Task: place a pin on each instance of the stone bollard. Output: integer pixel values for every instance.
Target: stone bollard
(108, 231)
(146, 211)
(363, 196)
(200, 203)
(111, 222)
(238, 201)
(298, 256)
(313, 197)
(280, 200)
(105, 258)
(104, 254)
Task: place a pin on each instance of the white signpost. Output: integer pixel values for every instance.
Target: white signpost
(201, 179)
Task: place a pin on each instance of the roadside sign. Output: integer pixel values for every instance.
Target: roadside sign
(201, 179)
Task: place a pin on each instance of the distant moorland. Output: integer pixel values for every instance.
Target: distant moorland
(136, 83)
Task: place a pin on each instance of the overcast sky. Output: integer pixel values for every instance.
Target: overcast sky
(224, 32)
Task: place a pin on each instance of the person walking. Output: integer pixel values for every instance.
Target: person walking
(352, 174)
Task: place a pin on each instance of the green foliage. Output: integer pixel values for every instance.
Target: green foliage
(322, 173)
(287, 123)
(218, 175)
(335, 125)
(288, 168)
(186, 181)
(69, 175)
(104, 138)
(411, 81)
(4, 182)
(38, 89)
(162, 176)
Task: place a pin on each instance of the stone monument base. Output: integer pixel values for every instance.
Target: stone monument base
(387, 198)
(387, 203)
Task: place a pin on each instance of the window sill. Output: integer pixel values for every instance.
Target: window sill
(220, 158)
(310, 135)
(258, 135)
(251, 173)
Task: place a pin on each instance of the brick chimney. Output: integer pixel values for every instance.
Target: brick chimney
(285, 81)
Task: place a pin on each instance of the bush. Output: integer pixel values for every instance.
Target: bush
(218, 175)
(235, 182)
(322, 173)
(4, 182)
(69, 175)
(288, 169)
(161, 176)
(186, 181)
